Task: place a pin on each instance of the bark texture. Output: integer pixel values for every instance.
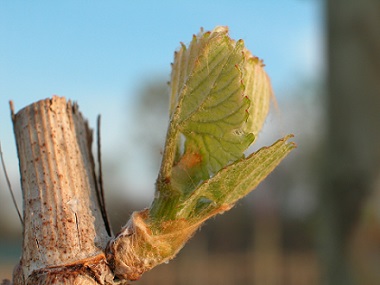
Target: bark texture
(64, 231)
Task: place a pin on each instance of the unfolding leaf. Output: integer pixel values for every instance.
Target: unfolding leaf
(208, 102)
(259, 90)
(235, 181)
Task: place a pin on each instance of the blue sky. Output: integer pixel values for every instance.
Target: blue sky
(100, 52)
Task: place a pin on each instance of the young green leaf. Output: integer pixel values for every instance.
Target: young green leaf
(208, 106)
(259, 91)
(234, 182)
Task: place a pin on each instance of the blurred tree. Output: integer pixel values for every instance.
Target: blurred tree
(352, 146)
(154, 97)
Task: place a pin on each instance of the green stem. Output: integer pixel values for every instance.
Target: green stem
(168, 157)
(164, 208)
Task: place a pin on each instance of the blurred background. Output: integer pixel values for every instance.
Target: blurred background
(315, 220)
